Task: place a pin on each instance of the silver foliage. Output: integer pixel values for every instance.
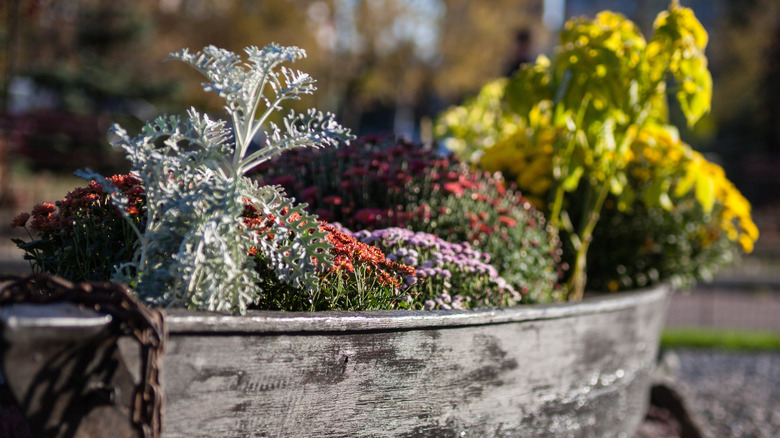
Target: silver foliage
(194, 250)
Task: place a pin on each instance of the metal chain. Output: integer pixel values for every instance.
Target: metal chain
(146, 325)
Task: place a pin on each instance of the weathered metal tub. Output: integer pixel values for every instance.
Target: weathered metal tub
(566, 370)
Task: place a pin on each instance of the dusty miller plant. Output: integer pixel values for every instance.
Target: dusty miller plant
(193, 251)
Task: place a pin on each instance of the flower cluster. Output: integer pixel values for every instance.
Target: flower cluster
(389, 268)
(349, 252)
(657, 157)
(83, 236)
(55, 218)
(359, 277)
(524, 247)
(448, 275)
(370, 182)
(379, 182)
(527, 160)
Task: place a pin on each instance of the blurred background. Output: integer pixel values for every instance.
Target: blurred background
(71, 68)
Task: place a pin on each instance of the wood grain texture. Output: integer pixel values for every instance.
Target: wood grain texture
(579, 370)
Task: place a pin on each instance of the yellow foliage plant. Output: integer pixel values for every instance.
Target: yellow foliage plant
(571, 129)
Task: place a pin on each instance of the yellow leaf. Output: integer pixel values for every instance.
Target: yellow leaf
(665, 201)
(705, 192)
(746, 243)
(692, 26)
(686, 182)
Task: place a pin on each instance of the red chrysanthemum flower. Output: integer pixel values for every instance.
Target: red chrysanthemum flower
(454, 188)
(20, 220)
(44, 217)
(348, 252)
(508, 221)
(332, 200)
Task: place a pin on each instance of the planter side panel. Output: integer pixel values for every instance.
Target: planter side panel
(583, 375)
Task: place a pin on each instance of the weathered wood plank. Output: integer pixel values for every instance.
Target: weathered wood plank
(571, 370)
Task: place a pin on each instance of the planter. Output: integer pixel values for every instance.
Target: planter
(581, 370)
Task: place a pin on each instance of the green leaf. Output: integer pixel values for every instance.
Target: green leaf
(657, 194)
(681, 40)
(572, 180)
(40, 244)
(626, 198)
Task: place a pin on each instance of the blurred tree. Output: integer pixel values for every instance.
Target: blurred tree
(70, 66)
(387, 50)
(90, 52)
(746, 96)
(478, 41)
(741, 60)
(418, 56)
(230, 24)
(388, 59)
(369, 57)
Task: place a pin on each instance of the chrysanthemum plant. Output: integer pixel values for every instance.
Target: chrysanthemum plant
(404, 184)
(566, 127)
(194, 250)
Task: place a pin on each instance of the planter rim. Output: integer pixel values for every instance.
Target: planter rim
(183, 322)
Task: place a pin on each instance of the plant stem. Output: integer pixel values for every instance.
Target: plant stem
(578, 279)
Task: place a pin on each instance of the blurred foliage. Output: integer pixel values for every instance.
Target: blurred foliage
(721, 339)
(367, 54)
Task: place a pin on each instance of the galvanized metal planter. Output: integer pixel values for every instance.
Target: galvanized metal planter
(579, 370)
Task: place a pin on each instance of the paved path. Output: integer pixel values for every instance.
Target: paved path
(743, 297)
(725, 306)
